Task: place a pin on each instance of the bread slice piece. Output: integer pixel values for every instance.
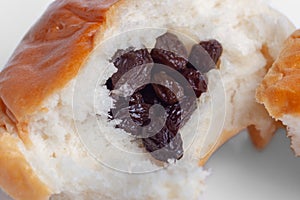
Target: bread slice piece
(56, 141)
(279, 91)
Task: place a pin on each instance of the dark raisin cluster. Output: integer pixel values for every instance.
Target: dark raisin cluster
(178, 102)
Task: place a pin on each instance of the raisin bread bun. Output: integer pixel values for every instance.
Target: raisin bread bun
(279, 91)
(59, 138)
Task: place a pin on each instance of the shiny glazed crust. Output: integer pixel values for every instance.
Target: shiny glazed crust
(48, 57)
(69, 30)
(280, 91)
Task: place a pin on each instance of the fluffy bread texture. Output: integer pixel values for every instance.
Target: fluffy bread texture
(280, 91)
(44, 98)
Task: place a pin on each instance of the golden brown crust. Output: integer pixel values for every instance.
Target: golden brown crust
(51, 54)
(16, 176)
(280, 91)
(259, 140)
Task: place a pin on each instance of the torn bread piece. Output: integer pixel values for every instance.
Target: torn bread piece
(60, 137)
(279, 91)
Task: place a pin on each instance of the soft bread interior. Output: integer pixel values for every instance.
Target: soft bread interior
(79, 155)
(293, 125)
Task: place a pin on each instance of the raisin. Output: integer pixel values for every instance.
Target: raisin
(159, 128)
(200, 60)
(170, 51)
(132, 112)
(119, 53)
(197, 81)
(166, 88)
(110, 114)
(164, 145)
(127, 124)
(136, 98)
(149, 95)
(120, 103)
(213, 48)
(156, 124)
(139, 113)
(179, 113)
(109, 84)
(171, 43)
(131, 59)
(128, 61)
(169, 59)
(175, 116)
(133, 118)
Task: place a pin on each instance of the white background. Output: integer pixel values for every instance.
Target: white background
(238, 170)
